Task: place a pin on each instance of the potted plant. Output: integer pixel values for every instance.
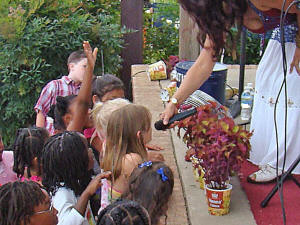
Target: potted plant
(221, 147)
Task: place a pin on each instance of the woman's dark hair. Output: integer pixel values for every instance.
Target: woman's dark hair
(65, 162)
(58, 110)
(28, 144)
(124, 212)
(147, 187)
(104, 84)
(17, 202)
(215, 18)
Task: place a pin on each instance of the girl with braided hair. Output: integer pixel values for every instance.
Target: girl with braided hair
(151, 185)
(124, 212)
(25, 203)
(66, 176)
(27, 148)
(62, 112)
(214, 19)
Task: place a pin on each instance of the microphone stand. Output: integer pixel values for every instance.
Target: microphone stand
(284, 176)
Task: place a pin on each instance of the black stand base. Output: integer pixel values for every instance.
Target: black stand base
(287, 174)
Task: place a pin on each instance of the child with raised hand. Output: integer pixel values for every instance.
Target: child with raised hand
(66, 176)
(27, 148)
(71, 112)
(67, 85)
(124, 212)
(151, 185)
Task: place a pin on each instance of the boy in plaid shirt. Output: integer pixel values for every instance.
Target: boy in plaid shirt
(67, 85)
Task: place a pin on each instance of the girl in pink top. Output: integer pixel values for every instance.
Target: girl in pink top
(6, 164)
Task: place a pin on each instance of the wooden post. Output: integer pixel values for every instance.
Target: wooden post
(189, 47)
(132, 18)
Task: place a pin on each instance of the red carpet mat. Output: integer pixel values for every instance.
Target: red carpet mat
(272, 213)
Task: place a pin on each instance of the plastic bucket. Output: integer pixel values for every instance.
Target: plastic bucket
(218, 201)
(214, 86)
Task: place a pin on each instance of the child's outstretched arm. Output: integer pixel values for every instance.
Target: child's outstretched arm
(84, 96)
(89, 191)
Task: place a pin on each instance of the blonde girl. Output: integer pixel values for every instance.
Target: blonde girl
(128, 130)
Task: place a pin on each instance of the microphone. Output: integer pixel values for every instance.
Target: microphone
(159, 125)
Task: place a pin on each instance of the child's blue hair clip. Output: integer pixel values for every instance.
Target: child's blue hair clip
(147, 163)
(160, 171)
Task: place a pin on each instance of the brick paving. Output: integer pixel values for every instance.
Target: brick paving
(146, 92)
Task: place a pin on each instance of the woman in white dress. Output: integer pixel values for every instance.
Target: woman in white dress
(214, 19)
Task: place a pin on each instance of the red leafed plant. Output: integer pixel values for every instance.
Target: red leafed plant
(216, 139)
(171, 63)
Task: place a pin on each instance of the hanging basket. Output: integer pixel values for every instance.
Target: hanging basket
(218, 200)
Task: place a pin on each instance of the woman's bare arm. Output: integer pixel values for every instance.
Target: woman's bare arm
(195, 77)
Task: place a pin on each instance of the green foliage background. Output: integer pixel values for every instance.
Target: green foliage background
(163, 40)
(161, 30)
(36, 38)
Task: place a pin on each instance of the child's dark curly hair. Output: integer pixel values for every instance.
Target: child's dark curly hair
(215, 18)
(18, 200)
(60, 109)
(124, 212)
(147, 187)
(28, 144)
(106, 83)
(65, 162)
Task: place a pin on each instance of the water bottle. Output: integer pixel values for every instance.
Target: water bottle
(250, 86)
(247, 102)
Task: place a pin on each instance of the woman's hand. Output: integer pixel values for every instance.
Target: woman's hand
(296, 61)
(169, 111)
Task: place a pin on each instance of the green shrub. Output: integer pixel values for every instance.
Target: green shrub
(36, 40)
(163, 40)
(252, 49)
(161, 32)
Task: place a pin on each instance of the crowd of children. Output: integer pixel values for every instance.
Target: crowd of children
(86, 161)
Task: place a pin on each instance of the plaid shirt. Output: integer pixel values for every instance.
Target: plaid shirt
(61, 87)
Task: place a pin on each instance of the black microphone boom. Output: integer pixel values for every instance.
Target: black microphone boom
(159, 125)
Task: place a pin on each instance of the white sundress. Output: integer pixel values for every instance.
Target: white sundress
(269, 77)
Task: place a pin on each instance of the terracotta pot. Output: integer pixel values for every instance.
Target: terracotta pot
(218, 200)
